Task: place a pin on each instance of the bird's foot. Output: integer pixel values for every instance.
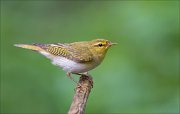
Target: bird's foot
(69, 75)
(87, 76)
(85, 73)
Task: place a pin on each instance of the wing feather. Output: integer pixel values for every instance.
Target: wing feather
(78, 54)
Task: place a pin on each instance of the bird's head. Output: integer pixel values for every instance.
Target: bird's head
(100, 46)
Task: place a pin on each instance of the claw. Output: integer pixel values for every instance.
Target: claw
(69, 75)
(85, 73)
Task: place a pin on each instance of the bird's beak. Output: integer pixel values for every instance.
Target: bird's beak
(110, 44)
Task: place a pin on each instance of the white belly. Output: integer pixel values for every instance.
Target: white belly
(69, 65)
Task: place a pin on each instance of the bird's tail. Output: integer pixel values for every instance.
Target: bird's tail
(28, 46)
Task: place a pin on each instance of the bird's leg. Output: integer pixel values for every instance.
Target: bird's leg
(69, 75)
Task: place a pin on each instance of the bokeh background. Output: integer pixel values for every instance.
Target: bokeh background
(139, 75)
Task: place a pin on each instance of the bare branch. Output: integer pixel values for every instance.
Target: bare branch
(82, 91)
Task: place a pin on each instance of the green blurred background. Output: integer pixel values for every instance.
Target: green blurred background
(139, 75)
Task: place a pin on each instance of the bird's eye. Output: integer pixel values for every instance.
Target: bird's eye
(100, 45)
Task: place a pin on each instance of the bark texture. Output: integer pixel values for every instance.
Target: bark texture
(82, 92)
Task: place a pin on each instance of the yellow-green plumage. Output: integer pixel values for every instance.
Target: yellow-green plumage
(77, 57)
(57, 50)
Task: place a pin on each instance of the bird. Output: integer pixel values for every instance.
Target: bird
(74, 58)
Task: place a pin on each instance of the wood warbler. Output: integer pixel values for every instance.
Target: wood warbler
(76, 57)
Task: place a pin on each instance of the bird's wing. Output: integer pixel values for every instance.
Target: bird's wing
(75, 53)
(80, 53)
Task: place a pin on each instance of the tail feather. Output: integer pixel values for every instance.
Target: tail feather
(27, 46)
